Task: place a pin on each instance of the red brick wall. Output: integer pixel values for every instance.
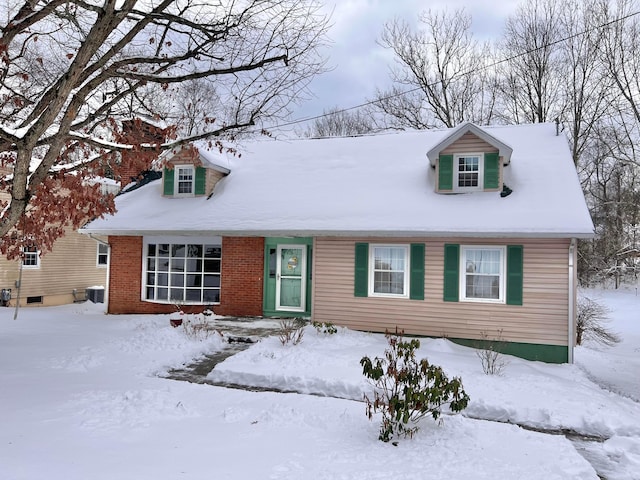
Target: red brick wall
(241, 280)
(241, 286)
(125, 278)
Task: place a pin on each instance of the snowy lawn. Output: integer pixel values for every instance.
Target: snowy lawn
(80, 398)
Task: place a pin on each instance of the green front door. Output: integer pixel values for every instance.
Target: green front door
(291, 275)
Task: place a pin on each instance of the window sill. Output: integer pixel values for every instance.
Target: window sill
(483, 300)
(169, 302)
(387, 295)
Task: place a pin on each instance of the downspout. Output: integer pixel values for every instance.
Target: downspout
(106, 287)
(572, 300)
(18, 287)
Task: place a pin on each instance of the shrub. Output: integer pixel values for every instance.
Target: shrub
(325, 328)
(196, 327)
(591, 320)
(291, 330)
(489, 353)
(406, 389)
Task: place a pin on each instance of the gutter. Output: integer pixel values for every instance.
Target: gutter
(235, 232)
(572, 300)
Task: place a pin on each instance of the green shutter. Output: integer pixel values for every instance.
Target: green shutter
(361, 279)
(491, 171)
(416, 281)
(451, 272)
(445, 172)
(168, 181)
(514, 274)
(201, 176)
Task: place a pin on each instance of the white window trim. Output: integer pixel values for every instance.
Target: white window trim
(32, 267)
(176, 182)
(99, 254)
(407, 264)
(503, 274)
(456, 158)
(213, 240)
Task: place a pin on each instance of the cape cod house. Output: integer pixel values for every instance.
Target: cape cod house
(466, 233)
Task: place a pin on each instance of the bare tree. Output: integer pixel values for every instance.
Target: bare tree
(620, 44)
(584, 86)
(198, 106)
(337, 122)
(71, 71)
(532, 75)
(610, 162)
(444, 69)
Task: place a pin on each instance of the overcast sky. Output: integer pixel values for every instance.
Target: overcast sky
(359, 64)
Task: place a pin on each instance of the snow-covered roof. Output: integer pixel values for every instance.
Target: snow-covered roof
(378, 185)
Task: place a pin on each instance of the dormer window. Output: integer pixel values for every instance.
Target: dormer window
(469, 159)
(185, 178)
(184, 181)
(468, 172)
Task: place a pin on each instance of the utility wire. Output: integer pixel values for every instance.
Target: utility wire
(463, 74)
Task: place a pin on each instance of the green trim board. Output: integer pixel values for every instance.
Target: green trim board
(528, 351)
(269, 292)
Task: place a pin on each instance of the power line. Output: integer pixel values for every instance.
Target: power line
(463, 74)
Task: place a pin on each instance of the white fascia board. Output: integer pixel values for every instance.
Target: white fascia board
(337, 233)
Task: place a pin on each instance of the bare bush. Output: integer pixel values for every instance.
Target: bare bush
(291, 330)
(489, 353)
(591, 323)
(195, 326)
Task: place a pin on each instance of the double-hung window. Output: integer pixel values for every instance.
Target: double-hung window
(392, 270)
(102, 258)
(469, 172)
(183, 272)
(30, 257)
(482, 274)
(389, 272)
(478, 273)
(185, 176)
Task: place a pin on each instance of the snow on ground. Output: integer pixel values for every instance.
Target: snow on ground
(80, 397)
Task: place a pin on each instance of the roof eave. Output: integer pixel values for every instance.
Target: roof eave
(580, 234)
